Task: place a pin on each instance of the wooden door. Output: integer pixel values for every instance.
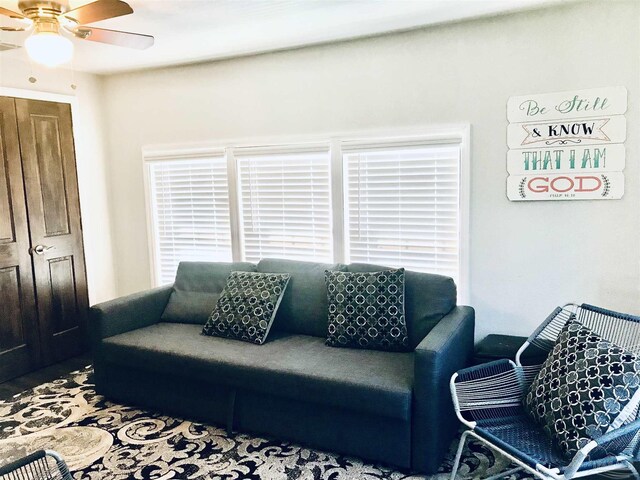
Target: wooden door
(19, 348)
(51, 186)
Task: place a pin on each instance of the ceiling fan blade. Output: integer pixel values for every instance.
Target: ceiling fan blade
(7, 46)
(114, 37)
(99, 10)
(11, 13)
(12, 29)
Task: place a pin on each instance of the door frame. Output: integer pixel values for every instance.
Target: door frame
(40, 95)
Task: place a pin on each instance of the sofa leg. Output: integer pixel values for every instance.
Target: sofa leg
(231, 406)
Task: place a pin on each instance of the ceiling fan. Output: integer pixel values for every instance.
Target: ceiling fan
(48, 19)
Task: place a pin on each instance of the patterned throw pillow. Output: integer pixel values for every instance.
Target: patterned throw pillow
(587, 386)
(247, 306)
(366, 310)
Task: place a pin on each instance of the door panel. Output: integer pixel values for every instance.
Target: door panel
(11, 330)
(7, 233)
(64, 301)
(19, 340)
(51, 187)
(51, 174)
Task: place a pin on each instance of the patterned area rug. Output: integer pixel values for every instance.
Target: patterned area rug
(103, 440)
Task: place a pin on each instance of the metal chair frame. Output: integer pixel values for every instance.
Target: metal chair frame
(499, 387)
(36, 467)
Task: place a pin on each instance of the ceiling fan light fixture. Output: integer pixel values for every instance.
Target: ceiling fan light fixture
(47, 47)
(49, 18)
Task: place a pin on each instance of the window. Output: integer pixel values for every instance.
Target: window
(402, 206)
(396, 201)
(190, 213)
(285, 206)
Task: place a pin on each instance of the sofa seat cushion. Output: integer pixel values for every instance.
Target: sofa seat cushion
(295, 366)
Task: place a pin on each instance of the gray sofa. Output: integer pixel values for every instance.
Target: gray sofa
(393, 408)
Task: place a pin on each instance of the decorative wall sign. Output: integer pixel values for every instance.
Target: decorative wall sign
(570, 186)
(590, 131)
(596, 102)
(590, 158)
(567, 145)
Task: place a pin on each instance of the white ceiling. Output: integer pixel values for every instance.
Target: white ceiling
(188, 31)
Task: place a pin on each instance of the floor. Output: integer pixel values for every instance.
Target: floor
(102, 439)
(12, 387)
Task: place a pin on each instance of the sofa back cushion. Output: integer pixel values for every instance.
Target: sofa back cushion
(197, 288)
(428, 298)
(304, 309)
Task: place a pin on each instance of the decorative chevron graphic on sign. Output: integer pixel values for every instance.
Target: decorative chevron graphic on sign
(563, 133)
(568, 132)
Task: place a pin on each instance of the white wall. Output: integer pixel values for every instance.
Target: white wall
(525, 257)
(91, 160)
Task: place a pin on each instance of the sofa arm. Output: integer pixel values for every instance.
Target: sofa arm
(127, 313)
(447, 348)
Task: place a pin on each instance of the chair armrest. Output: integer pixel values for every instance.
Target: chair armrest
(447, 348)
(127, 313)
(619, 435)
(491, 386)
(611, 443)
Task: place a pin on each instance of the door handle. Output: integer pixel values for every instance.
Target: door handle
(40, 249)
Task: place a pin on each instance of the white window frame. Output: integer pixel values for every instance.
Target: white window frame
(457, 134)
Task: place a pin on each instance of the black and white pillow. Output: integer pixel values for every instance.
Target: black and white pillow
(366, 310)
(247, 306)
(587, 386)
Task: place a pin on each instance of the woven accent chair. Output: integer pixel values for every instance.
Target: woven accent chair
(488, 401)
(41, 465)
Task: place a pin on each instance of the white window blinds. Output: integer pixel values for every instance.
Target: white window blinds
(285, 204)
(402, 206)
(190, 213)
